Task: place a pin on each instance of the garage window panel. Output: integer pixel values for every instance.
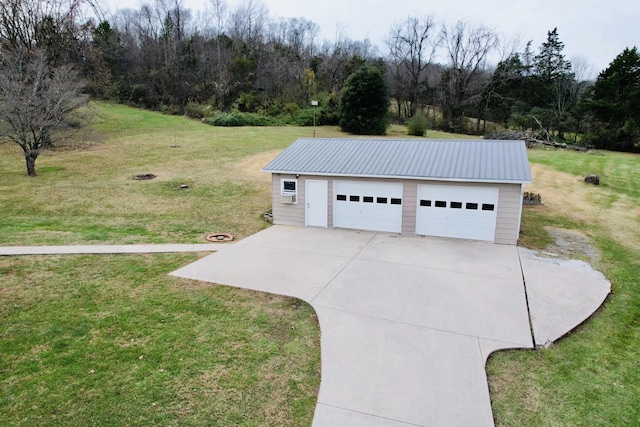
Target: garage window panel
(382, 200)
(367, 199)
(354, 198)
(341, 197)
(441, 204)
(425, 203)
(488, 207)
(396, 201)
(472, 206)
(456, 205)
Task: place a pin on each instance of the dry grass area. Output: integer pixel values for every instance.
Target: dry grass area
(567, 196)
(251, 167)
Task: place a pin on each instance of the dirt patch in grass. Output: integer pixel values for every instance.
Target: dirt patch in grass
(568, 196)
(571, 244)
(251, 167)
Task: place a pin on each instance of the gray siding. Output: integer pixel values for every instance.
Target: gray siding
(287, 214)
(409, 206)
(507, 222)
(330, 204)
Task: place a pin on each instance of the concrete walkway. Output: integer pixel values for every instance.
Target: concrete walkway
(109, 249)
(407, 323)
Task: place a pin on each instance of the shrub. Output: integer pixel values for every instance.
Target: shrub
(417, 125)
(246, 103)
(305, 117)
(240, 119)
(291, 109)
(193, 110)
(171, 110)
(330, 111)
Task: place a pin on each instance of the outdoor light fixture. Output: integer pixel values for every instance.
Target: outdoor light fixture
(314, 104)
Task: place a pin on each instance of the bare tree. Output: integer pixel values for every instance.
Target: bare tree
(583, 69)
(341, 58)
(282, 68)
(247, 24)
(219, 13)
(467, 49)
(299, 34)
(38, 103)
(412, 48)
(49, 24)
(217, 61)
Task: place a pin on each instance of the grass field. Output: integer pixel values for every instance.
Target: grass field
(592, 376)
(97, 201)
(89, 196)
(113, 340)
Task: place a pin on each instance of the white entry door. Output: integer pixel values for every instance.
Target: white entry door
(316, 211)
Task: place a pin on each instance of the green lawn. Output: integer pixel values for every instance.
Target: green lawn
(620, 172)
(89, 196)
(73, 328)
(113, 340)
(591, 377)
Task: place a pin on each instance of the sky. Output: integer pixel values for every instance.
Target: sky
(596, 30)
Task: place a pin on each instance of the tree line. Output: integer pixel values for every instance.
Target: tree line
(165, 57)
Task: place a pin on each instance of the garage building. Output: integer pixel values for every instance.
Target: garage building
(466, 189)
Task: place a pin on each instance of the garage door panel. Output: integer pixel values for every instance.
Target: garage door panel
(368, 205)
(457, 229)
(457, 211)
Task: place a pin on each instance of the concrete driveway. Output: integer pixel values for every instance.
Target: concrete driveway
(407, 323)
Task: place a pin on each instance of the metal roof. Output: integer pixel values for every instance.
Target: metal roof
(447, 160)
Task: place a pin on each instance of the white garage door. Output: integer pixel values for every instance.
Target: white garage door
(372, 205)
(457, 211)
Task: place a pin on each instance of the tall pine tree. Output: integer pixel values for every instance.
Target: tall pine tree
(552, 89)
(549, 64)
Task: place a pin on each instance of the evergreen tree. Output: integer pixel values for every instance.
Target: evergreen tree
(549, 67)
(615, 104)
(549, 64)
(364, 106)
(506, 88)
(552, 90)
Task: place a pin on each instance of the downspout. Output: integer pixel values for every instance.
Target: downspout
(520, 211)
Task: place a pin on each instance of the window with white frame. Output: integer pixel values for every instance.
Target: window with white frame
(289, 189)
